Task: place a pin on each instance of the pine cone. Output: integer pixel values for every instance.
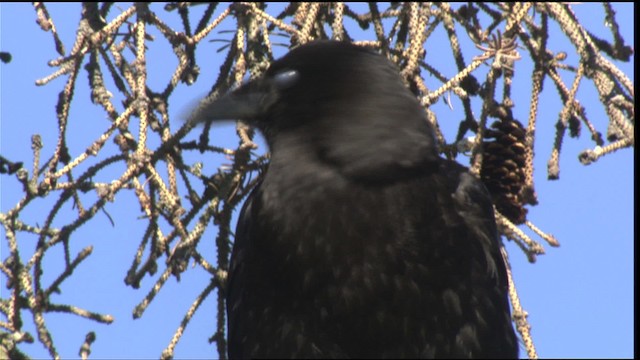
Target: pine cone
(502, 166)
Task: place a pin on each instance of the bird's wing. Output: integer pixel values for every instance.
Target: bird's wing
(486, 329)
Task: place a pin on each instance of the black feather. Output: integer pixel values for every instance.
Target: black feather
(360, 240)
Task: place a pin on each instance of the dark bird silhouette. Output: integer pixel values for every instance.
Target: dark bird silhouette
(360, 241)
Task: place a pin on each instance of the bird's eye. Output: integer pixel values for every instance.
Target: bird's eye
(285, 79)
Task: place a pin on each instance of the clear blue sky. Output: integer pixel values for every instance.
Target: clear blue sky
(579, 297)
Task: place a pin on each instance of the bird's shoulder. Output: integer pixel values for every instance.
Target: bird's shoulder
(441, 205)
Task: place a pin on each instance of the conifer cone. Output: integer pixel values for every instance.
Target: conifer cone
(503, 165)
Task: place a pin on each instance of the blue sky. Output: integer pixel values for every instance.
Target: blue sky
(579, 296)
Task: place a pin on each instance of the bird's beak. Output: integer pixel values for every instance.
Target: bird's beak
(250, 101)
(247, 102)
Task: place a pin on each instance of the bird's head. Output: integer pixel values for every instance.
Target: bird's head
(347, 102)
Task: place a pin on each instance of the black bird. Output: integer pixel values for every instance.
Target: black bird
(360, 241)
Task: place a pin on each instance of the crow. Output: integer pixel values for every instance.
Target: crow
(360, 240)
